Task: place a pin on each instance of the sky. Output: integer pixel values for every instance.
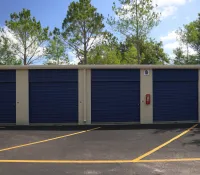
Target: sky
(175, 13)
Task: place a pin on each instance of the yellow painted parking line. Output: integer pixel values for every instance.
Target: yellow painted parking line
(100, 161)
(164, 144)
(169, 160)
(47, 140)
(68, 161)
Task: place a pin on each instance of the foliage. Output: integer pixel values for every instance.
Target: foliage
(130, 55)
(180, 58)
(28, 36)
(106, 52)
(82, 28)
(189, 36)
(183, 38)
(193, 33)
(126, 53)
(135, 19)
(151, 52)
(7, 57)
(56, 50)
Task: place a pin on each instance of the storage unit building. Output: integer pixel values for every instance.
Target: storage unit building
(175, 95)
(53, 96)
(115, 95)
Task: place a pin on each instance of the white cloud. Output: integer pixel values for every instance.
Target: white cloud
(172, 45)
(6, 32)
(54, 62)
(190, 50)
(171, 42)
(72, 58)
(170, 36)
(95, 41)
(164, 3)
(165, 7)
(168, 11)
(169, 7)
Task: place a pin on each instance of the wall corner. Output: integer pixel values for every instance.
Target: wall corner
(22, 97)
(146, 87)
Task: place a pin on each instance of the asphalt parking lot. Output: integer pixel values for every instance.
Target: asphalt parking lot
(139, 149)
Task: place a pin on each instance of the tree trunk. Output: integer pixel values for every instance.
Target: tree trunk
(58, 61)
(187, 53)
(137, 34)
(25, 49)
(85, 54)
(25, 59)
(85, 45)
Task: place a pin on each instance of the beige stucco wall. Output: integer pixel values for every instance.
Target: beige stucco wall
(146, 87)
(100, 67)
(22, 97)
(88, 96)
(81, 97)
(84, 93)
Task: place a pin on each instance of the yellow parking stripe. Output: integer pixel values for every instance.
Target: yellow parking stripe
(169, 160)
(47, 140)
(164, 144)
(99, 161)
(68, 161)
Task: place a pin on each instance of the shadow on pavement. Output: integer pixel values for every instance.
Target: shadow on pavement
(193, 142)
(195, 136)
(161, 128)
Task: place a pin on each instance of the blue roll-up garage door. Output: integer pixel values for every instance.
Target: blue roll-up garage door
(175, 95)
(53, 96)
(115, 96)
(7, 96)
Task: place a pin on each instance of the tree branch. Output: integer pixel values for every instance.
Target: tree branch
(31, 61)
(32, 43)
(17, 49)
(91, 43)
(34, 52)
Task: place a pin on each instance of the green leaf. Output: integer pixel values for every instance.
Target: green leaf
(56, 50)
(7, 57)
(82, 27)
(29, 35)
(135, 18)
(189, 36)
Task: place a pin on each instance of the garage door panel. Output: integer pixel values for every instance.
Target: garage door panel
(116, 75)
(53, 96)
(174, 75)
(58, 75)
(115, 96)
(8, 96)
(55, 100)
(175, 100)
(7, 100)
